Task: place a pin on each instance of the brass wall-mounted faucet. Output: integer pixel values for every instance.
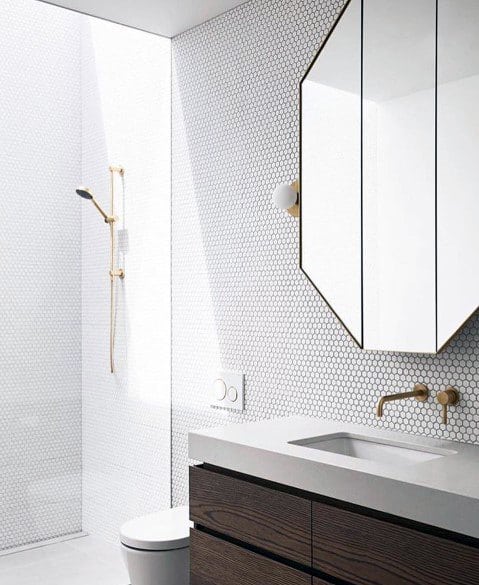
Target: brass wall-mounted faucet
(420, 393)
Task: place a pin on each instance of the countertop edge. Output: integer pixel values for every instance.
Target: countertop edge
(426, 505)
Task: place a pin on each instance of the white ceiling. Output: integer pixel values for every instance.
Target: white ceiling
(163, 17)
(399, 43)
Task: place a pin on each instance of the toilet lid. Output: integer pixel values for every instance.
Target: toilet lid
(164, 530)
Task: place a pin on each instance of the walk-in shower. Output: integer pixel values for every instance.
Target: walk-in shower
(82, 451)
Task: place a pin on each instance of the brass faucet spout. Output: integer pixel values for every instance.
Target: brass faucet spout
(420, 393)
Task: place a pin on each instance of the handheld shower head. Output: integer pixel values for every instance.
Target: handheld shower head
(85, 193)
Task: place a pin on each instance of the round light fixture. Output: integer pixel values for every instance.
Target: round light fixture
(285, 196)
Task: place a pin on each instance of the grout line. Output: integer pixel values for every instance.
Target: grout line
(42, 543)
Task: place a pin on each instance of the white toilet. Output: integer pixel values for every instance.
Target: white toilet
(156, 548)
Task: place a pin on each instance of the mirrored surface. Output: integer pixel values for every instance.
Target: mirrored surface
(457, 164)
(399, 174)
(331, 171)
(389, 173)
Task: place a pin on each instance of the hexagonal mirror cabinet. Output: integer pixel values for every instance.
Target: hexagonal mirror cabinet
(390, 171)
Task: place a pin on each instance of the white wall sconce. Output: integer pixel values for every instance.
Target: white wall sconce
(286, 196)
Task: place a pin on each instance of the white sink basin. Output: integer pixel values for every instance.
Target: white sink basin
(380, 451)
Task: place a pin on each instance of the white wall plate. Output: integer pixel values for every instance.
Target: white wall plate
(227, 391)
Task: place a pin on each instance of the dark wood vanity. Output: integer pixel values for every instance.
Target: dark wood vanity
(250, 532)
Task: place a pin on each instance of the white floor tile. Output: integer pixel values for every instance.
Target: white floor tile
(35, 555)
(83, 561)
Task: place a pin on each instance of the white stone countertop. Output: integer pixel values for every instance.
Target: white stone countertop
(442, 492)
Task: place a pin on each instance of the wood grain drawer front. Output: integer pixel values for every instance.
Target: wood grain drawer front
(266, 518)
(217, 562)
(366, 551)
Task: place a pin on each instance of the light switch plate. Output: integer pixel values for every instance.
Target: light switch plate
(227, 391)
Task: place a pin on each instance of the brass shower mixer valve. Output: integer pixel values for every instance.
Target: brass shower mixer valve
(446, 398)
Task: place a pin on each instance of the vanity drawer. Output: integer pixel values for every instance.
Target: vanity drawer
(217, 562)
(367, 551)
(269, 519)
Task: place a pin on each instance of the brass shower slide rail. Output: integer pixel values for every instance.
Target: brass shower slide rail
(114, 272)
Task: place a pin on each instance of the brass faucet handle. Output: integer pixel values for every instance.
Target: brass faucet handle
(448, 397)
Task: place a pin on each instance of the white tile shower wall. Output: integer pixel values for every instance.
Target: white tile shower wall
(40, 303)
(126, 416)
(240, 301)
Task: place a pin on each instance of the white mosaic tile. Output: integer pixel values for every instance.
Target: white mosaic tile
(240, 301)
(40, 302)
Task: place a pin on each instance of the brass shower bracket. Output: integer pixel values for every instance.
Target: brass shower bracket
(118, 272)
(117, 169)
